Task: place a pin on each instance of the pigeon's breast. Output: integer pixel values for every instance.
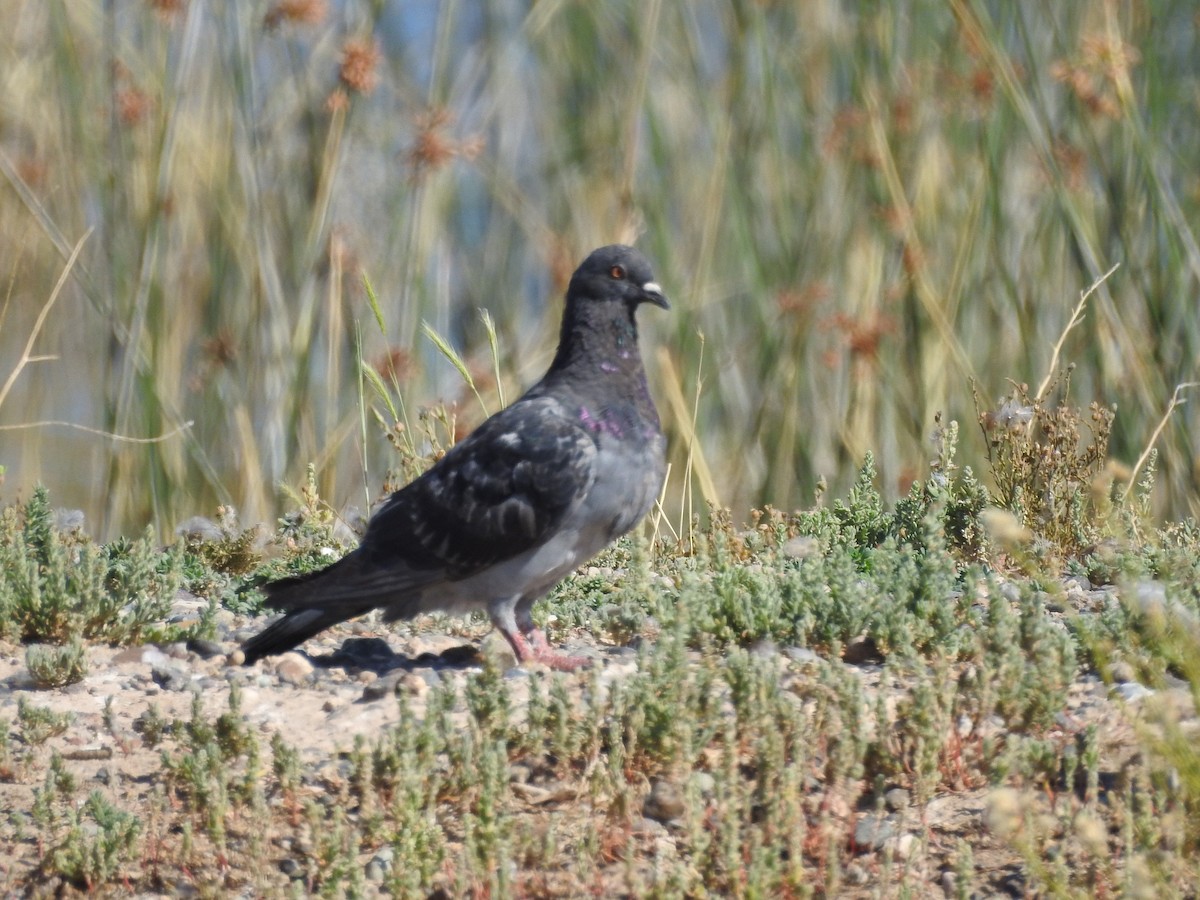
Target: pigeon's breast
(629, 469)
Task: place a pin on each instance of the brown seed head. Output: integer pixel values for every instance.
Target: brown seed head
(360, 64)
(298, 12)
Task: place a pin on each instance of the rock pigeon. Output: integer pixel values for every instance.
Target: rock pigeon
(534, 492)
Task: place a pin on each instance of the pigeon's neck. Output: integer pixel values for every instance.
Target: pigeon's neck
(600, 341)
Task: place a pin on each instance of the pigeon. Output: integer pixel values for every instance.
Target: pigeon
(530, 495)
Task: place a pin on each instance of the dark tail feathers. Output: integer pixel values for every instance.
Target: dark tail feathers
(309, 612)
(289, 631)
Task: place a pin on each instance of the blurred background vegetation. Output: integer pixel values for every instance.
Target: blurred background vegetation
(858, 211)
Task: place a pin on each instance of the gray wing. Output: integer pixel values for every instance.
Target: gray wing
(505, 489)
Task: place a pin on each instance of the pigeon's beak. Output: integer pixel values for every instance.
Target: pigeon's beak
(652, 293)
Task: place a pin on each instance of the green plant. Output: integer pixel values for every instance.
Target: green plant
(40, 723)
(53, 667)
(59, 587)
(99, 838)
(1047, 461)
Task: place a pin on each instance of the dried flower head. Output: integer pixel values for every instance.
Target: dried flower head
(360, 65)
(1097, 72)
(337, 101)
(434, 147)
(168, 9)
(297, 12)
(864, 334)
(133, 105)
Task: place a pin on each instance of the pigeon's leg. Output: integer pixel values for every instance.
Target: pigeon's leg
(513, 620)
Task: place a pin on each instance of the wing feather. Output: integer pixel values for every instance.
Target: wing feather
(503, 490)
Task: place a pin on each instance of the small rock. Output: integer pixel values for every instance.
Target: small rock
(665, 802)
(429, 675)
(496, 650)
(291, 868)
(236, 658)
(705, 784)
(103, 776)
(380, 864)
(949, 885)
(665, 848)
(382, 687)
(363, 651)
(414, 685)
(1132, 692)
(874, 831)
(127, 656)
(367, 676)
(896, 799)
(861, 651)
(519, 773)
(905, 845)
(648, 826)
(294, 668)
(170, 679)
(1078, 582)
(1122, 672)
(206, 649)
(857, 875)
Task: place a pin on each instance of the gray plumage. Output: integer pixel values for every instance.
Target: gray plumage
(533, 493)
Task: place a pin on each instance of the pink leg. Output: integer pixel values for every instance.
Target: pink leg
(535, 647)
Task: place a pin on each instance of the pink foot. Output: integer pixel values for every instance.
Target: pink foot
(537, 649)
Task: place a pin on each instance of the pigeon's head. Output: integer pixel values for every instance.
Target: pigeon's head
(616, 273)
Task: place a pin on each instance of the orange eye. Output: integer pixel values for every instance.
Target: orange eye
(617, 272)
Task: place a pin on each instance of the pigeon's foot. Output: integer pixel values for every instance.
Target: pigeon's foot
(533, 647)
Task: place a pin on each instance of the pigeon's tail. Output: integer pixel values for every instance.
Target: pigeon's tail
(290, 631)
(313, 602)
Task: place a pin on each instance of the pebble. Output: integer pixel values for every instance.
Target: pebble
(1132, 692)
(704, 784)
(294, 668)
(496, 650)
(414, 684)
(291, 868)
(857, 875)
(364, 651)
(206, 649)
(170, 679)
(380, 864)
(1078, 582)
(1122, 672)
(896, 799)
(381, 687)
(873, 831)
(665, 802)
(949, 885)
(905, 845)
(861, 650)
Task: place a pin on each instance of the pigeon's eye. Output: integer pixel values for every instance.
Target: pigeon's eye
(617, 271)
